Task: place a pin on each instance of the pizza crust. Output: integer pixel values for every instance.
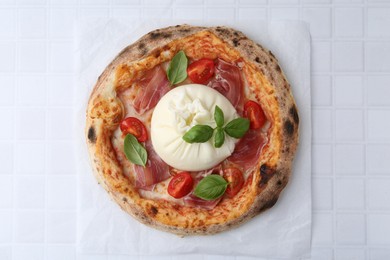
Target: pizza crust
(272, 173)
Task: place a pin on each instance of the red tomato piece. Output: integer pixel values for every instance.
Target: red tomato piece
(134, 126)
(235, 179)
(255, 114)
(201, 71)
(180, 185)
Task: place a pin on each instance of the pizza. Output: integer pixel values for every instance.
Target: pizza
(193, 130)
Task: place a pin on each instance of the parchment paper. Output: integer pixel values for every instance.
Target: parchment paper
(284, 231)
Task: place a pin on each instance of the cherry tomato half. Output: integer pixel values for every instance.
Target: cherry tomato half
(201, 71)
(255, 114)
(180, 185)
(236, 181)
(132, 125)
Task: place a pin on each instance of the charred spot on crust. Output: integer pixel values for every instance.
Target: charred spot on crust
(153, 210)
(266, 173)
(270, 53)
(257, 59)
(236, 42)
(91, 135)
(141, 45)
(185, 30)
(155, 35)
(124, 199)
(288, 127)
(279, 182)
(294, 113)
(277, 67)
(222, 30)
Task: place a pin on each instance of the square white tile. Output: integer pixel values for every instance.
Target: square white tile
(60, 123)
(6, 252)
(350, 229)
(7, 157)
(34, 163)
(350, 194)
(7, 23)
(185, 13)
(32, 56)
(6, 191)
(61, 227)
(7, 115)
(348, 56)
(320, 20)
(378, 90)
(285, 13)
(60, 90)
(252, 13)
(348, 90)
(348, 22)
(61, 24)
(31, 90)
(322, 124)
(378, 126)
(321, 56)
(130, 14)
(378, 22)
(61, 56)
(32, 23)
(378, 229)
(5, 226)
(377, 56)
(220, 13)
(379, 253)
(349, 159)
(377, 156)
(7, 54)
(61, 158)
(356, 253)
(29, 226)
(61, 252)
(7, 89)
(378, 194)
(349, 125)
(322, 229)
(61, 192)
(30, 124)
(318, 253)
(31, 252)
(30, 191)
(321, 90)
(322, 159)
(161, 12)
(322, 193)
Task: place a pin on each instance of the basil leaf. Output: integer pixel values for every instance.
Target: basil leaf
(237, 127)
(198, 134)
(219, 138)
(134, 151)
(218, 116)
(177, 69)
(211, 187)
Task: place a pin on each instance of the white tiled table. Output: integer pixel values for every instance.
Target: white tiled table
(351, 118)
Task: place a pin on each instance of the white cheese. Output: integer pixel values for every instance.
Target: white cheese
(177, 112)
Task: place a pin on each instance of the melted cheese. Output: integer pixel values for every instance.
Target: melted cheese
(177, 112)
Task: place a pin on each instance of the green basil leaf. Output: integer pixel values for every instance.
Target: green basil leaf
(218, 116)
(219, 138)
(198, 134)
(237, 127)
(211, 187)
(134, 151)
(177, 69)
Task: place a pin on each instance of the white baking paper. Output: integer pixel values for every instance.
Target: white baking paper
(284, 231)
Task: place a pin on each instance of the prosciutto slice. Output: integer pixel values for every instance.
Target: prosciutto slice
(193, 201)
(155, 171)
(228, 82)
(248, 149)
(153, 86)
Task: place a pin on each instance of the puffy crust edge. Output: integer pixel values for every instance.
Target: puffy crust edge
(264, 61)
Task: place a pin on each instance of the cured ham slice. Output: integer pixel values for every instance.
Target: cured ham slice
(155, 171)
(228, 82)
(153, 86)
(193, 201)
(248, 149)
